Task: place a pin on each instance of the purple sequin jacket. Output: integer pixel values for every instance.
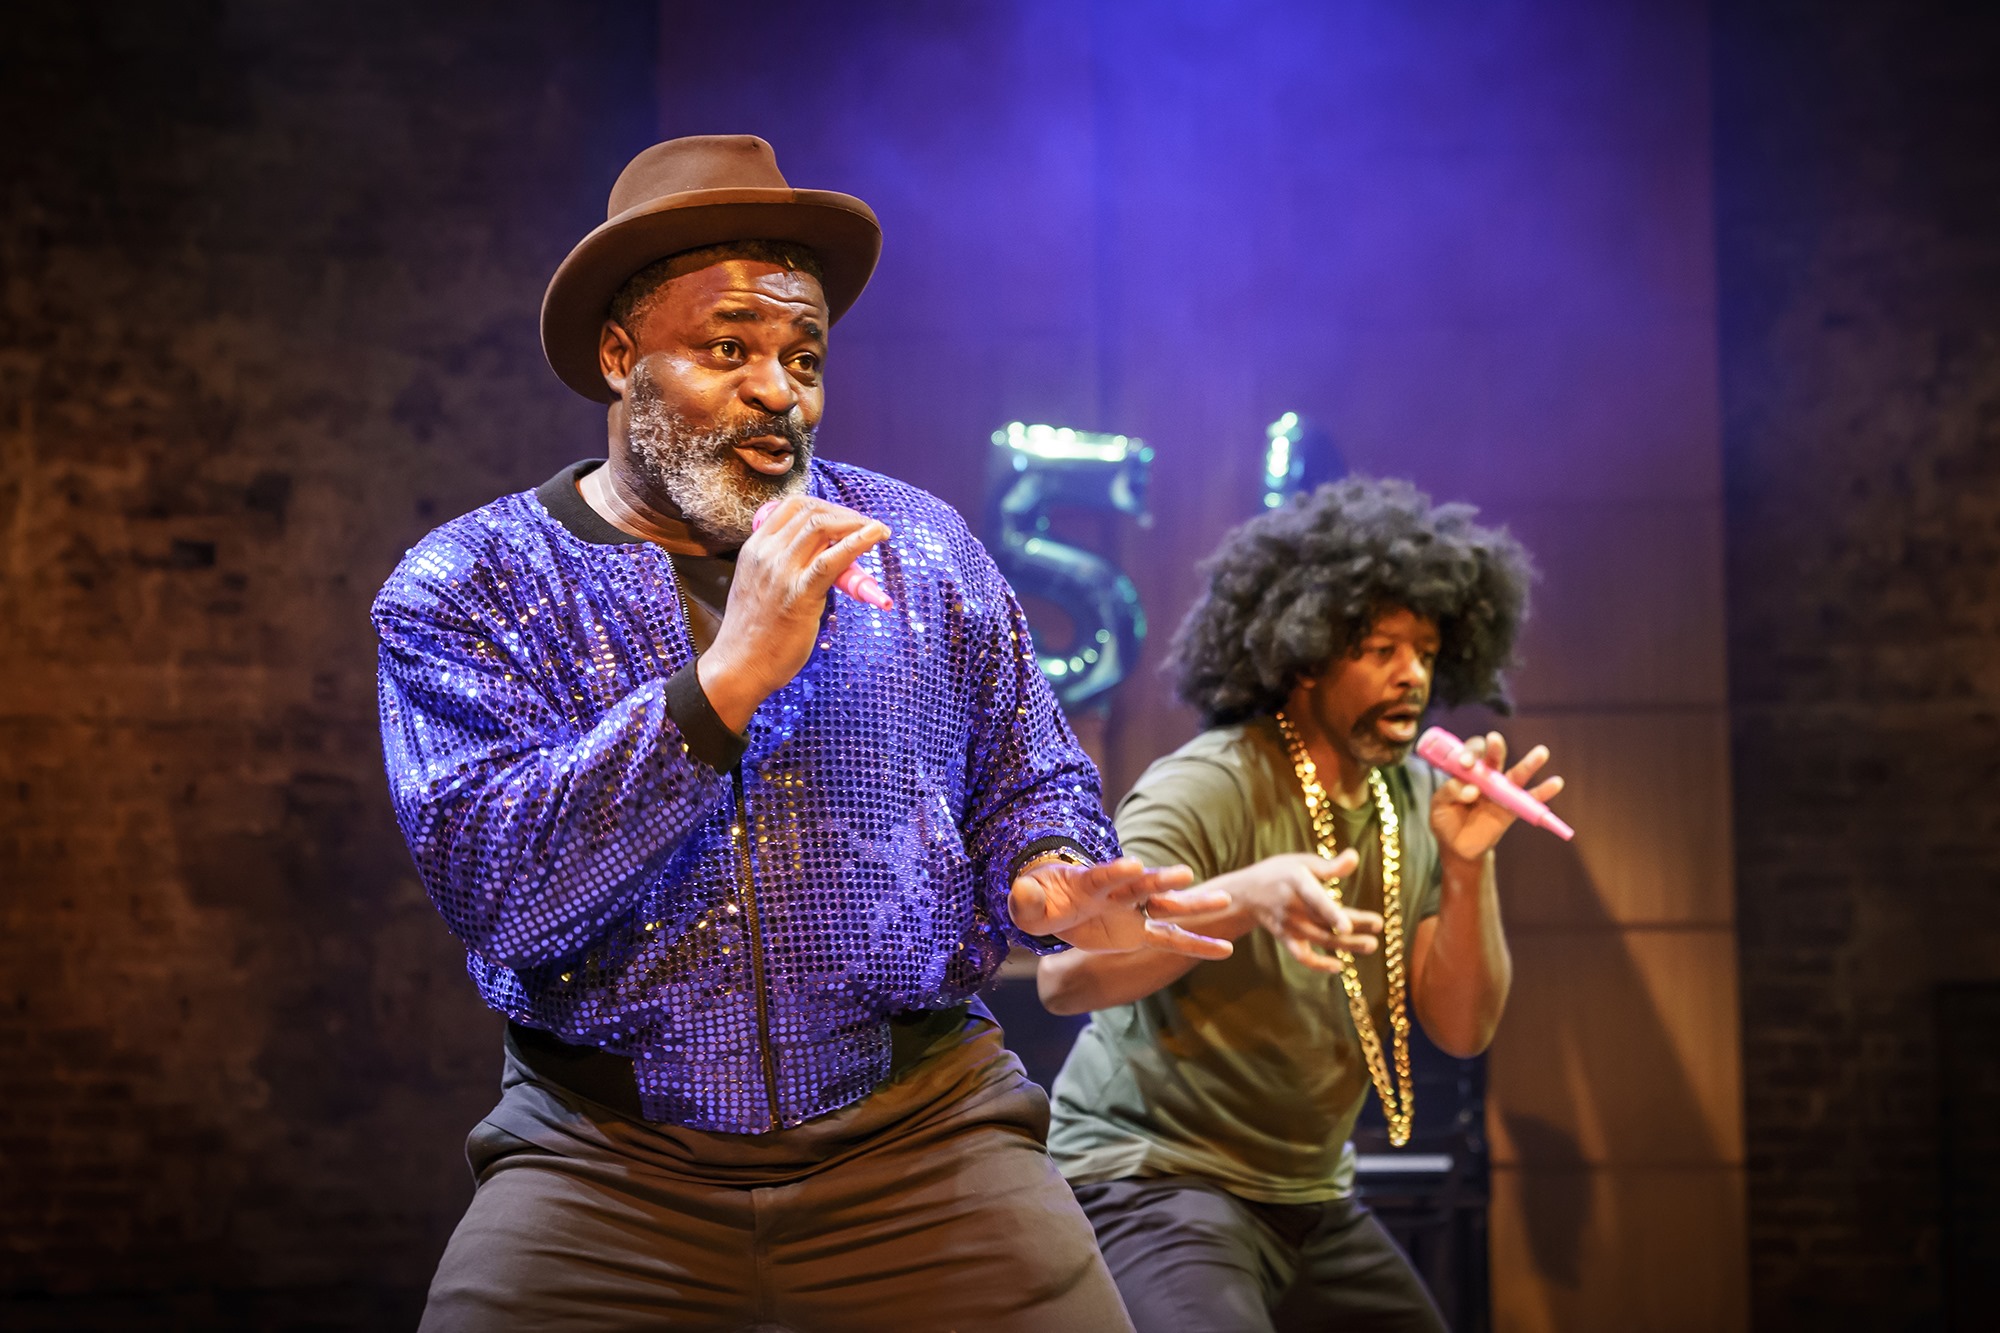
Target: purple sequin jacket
(742, 935)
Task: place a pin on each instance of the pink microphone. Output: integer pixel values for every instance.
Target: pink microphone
(855, 581)
(1452, 755)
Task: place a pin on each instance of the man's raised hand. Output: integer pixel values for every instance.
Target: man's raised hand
(776, 599)
(1115, 907)
(1467, 824)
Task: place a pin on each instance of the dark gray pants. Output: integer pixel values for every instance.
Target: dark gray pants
(1190, 1257)
(929, 1205)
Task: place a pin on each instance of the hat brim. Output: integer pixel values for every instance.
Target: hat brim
(838, 228)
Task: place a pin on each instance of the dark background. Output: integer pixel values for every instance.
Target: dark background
(1858, 189)
(268, 275)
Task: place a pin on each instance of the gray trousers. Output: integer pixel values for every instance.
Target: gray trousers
(931, 1204)
(1192, 1258)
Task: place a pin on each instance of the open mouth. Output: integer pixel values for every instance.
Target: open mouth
(1399, 725)
(767, 454)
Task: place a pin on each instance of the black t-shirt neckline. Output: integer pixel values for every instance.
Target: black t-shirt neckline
(567, 506)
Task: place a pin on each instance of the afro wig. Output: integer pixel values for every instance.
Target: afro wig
(1299, 587)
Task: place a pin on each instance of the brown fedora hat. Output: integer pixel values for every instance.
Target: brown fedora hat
(684, 194)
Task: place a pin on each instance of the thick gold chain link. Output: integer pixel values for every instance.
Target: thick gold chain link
(1399, 1111)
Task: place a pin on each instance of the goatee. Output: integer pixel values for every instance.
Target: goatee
(699, 469)
(1370, 746)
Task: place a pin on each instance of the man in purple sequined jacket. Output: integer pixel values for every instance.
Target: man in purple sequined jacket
(733, 851)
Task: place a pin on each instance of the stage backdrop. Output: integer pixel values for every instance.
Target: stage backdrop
(270, 275)
(1475, 242)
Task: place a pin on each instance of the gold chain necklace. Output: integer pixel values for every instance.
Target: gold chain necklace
(1399, 1111)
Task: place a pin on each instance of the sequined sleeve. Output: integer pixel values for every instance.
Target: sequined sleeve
(1029, 781)
(532, 832)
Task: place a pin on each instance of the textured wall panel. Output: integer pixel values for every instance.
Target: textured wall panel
(1858, 196)
(1630, 1249)
(268, 280)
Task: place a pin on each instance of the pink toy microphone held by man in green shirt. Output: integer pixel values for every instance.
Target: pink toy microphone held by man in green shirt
(1455, 757)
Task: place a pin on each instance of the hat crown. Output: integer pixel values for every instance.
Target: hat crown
(685, 194)
(696, 162)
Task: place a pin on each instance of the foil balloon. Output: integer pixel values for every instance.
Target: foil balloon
(1036, 470)
(1298, 456)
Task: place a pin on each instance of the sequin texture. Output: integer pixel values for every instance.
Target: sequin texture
(742, 936)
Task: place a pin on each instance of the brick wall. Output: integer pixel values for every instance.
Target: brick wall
(268, 275)
(1859, 246)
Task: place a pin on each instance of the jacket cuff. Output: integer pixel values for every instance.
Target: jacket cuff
(1040, 846)
(708, 737)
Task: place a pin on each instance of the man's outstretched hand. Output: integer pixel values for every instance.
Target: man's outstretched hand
(1115, 907)
(1287, 895)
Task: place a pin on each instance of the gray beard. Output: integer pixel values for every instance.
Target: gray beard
(699, 470)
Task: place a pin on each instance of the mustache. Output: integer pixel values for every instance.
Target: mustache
(787, 426)
(647, 409)
(1366, 723)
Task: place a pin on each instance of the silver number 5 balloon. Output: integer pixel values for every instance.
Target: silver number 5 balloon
(1038, 468)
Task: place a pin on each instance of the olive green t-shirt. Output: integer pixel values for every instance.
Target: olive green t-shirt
(1245, 1071)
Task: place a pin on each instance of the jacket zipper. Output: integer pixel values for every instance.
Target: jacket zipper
(739, 829)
